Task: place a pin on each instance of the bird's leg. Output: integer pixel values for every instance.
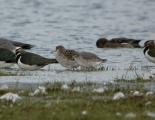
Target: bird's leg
(73, 69)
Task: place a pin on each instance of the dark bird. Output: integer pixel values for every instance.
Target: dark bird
(7, 51)
(31, 61)
(118, 43)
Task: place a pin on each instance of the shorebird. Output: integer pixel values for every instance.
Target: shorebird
(88, 60)
(149, 50)
(7, 58)
(118, 43)
(31, 61)
(11, 45)
(65, 57)
(7, 51)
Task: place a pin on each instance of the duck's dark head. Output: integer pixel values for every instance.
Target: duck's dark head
(101, 42)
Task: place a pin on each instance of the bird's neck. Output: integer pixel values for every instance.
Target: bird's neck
(61, 51)
(18, 56)
(145, 49)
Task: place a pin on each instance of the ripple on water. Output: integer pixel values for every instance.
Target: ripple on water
(77, 25)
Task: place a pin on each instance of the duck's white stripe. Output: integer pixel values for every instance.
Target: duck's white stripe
(27, 67)
(151, 59)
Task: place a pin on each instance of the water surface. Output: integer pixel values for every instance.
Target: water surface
(77, 24)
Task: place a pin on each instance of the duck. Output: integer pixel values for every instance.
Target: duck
(118, 43)
(149, 50)
(88, 60)
(31, 61)
(65, 57)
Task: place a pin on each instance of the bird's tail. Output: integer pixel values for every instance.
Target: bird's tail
(136, 41)
(51, 61)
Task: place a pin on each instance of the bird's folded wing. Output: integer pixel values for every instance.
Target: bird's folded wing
(7, 55)
(151, 52)
(33, 59)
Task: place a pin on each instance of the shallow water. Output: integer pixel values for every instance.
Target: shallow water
(77, 25)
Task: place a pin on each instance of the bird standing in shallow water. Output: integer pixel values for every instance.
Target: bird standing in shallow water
(31, 61)
(149, 50)
(88, 60)
(65, 57)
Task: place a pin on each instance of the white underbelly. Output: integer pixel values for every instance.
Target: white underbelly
(27, 67)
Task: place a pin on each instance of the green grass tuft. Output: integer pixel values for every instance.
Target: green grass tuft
(4, 73)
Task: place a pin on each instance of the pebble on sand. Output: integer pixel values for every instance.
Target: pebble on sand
(118, 96)
(84, 112)
(149, 93)
(41, 90)
(10, 97)
(65, 87)
(137, 94)
(130, 115)
(99, 90)
(150, 114)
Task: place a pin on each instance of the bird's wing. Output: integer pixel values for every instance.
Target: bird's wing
(33, 59)
(88, 55)
(7, 55)
(151, 52)
(69, 54)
